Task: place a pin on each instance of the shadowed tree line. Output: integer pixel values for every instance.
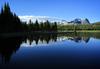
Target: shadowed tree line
(42, 26)
(9, 22)
(10, 46)
(41, 38)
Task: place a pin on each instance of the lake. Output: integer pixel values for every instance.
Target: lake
(79, 50)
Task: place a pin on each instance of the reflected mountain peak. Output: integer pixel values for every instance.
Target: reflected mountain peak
(10, 45)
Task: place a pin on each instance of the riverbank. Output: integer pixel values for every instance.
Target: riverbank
(17, 34)
(88, 31)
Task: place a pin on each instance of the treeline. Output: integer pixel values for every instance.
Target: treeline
(79, 27)
(10, 22)
(40, 26)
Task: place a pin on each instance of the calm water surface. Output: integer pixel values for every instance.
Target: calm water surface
(53, 51)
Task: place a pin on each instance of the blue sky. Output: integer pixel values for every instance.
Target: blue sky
(65, 9)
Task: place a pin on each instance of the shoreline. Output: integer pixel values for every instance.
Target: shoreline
(83, 31)
(17, 34)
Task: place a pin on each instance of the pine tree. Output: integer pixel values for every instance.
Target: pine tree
(9, 22)
(36, 25)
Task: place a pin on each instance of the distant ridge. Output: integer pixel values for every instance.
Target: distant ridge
(54, 19)
(80, 21)
(40, 18)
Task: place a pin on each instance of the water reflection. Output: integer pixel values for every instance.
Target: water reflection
(9, 46)
(38, 39)
(80, 39)
(43, 38)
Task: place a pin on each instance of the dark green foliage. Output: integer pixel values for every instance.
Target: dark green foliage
(25, 27)
(42, 26)
(47, 26)
(79, 27)
(30, 25)
(9, 22)
(36, 25)
(97, 23)
(55, 26)
(96, 26)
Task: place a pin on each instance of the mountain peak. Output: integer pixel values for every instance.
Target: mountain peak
(53, 19)
(40, 18)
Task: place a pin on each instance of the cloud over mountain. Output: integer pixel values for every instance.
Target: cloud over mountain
(40, 18)
(53, 19)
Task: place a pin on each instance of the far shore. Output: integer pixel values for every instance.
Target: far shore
(14, 34)
(88, 31)
(34, 32)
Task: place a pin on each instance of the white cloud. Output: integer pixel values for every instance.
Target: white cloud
(39, 18)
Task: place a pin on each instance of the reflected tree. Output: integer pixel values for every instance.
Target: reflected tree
(41, 37)
(8, 46)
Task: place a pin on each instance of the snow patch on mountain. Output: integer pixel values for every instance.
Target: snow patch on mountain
(41, 19)
(53, 19)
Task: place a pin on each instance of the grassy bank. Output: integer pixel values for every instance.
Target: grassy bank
(47, 32)
(88, 31)
(79, 31)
